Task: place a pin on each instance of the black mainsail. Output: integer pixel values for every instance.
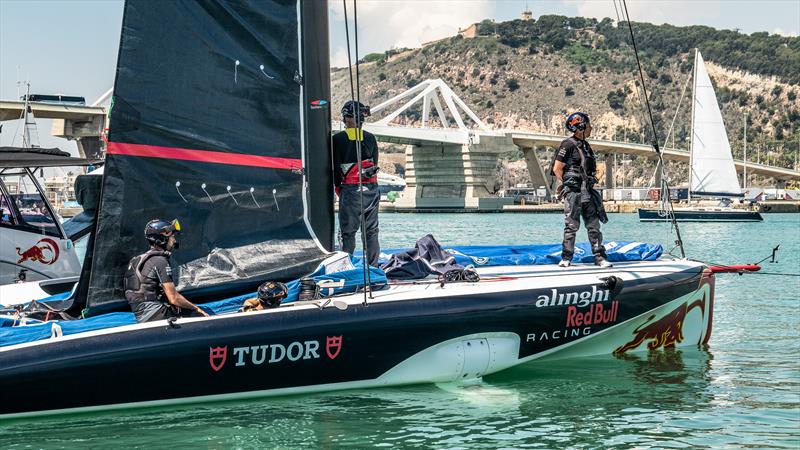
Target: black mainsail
(217, 120)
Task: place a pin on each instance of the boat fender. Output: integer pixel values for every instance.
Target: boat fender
(614, 285)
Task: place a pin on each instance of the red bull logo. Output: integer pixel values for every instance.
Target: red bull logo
(665, 332)
(45, 251)
(595, 315)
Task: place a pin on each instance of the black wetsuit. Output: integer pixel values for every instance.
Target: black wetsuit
(580, 197)
(345, 159)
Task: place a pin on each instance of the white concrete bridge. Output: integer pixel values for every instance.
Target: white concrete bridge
(449, 164)
(451, 155)
(83, 124)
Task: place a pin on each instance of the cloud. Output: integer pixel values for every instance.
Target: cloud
(385, 24)
(784, 33)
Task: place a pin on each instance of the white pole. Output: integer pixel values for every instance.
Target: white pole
(744, 179)
(691, 129)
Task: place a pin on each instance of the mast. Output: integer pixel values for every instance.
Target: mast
(744, 179)
(29, 132)
(691, 129)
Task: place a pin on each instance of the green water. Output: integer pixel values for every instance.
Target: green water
(743, 391)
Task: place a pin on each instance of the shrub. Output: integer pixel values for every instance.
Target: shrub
(512, 84)
(616, 99)
(569, 92)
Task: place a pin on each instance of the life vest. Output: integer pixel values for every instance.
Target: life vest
(138, 287)
(368, 175)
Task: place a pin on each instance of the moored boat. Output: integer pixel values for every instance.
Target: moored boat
(712, 171)
(34, 244)
(701, 214)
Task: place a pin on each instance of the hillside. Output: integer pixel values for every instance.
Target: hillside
(530, 74)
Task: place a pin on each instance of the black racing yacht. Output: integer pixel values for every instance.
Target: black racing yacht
(215, 121)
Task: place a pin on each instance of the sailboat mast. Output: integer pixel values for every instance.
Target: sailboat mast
(26, 132)
(744, 178)
(691, 129)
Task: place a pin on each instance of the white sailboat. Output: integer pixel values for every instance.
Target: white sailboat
(712, 171)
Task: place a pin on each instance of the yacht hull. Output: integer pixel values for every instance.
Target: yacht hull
(413, 333)
(701, 215)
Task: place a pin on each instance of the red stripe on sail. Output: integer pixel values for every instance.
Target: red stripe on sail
(185, 154)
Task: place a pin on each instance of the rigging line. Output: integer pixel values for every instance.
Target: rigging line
(359, 137)
(664, 184)
(358, 144)
(675, 116)
(671, 128)
(615, 9)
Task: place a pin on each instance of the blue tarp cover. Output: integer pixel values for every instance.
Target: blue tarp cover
(480, 256)
(519, 255)
(12, 335)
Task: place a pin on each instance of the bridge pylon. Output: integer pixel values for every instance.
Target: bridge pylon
(449, 165)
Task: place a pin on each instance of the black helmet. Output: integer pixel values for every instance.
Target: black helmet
(271, 293)
(577, 121)
(351, 107)
(157, 231)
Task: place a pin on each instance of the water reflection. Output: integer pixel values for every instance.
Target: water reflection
(559, 402)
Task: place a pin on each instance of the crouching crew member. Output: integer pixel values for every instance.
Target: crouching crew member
(346, 179)
(575, 167)
(270, 294)
(149, 288)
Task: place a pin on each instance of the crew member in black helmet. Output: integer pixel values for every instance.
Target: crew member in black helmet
(346, 179)
(575, 167)
(149, 288)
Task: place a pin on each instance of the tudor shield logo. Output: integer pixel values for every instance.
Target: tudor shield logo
(217, 357)
(333, 346)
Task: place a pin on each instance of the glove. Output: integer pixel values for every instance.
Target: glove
(560, 192)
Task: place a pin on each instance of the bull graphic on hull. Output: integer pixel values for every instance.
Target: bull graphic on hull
(665, 332)
(45, 251)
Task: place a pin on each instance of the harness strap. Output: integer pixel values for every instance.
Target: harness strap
(368, 175)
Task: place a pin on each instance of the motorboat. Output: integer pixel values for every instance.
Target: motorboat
(254, 197)
(36, 250)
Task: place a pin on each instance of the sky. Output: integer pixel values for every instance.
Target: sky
(70, 46)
